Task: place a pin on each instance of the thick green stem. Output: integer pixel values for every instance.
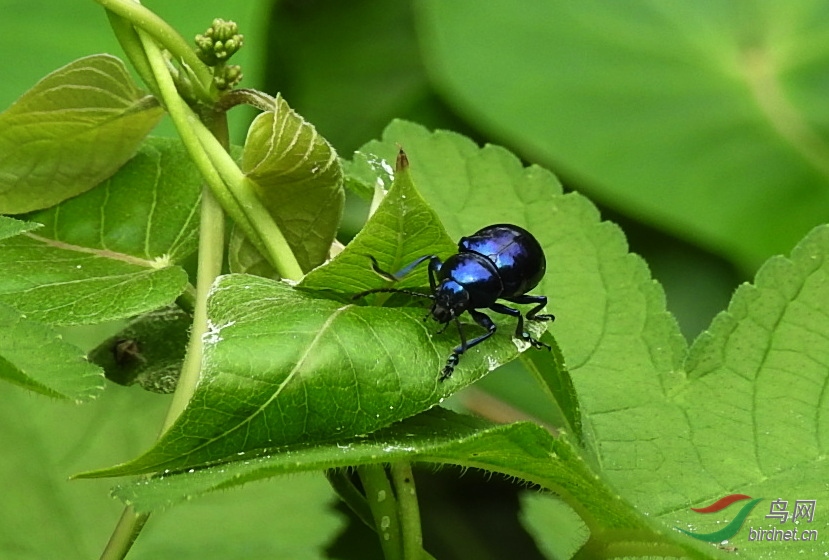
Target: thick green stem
(383, 503)
(408, 511)
(124, 535)
(211, 253)
(233, 189)
(276, 247)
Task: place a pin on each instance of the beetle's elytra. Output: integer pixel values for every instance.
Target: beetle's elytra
(502, 261)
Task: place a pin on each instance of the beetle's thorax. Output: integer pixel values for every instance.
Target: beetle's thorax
(451, 299)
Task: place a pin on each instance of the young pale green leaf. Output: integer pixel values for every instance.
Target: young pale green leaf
(282, 366)
(402, 229)
(108, 254)
(71, 131)
(148, 352)
(9, 227)
(523, 450)
(33, 356)
(299, 180)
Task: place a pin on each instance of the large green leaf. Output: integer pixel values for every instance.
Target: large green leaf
(283, 367)
(110, 253)
(666, 442)
(71, 131)
(302, 368)
(754, 399)
(704, 118)
(523, 450)
(299, 179)
(33, 356)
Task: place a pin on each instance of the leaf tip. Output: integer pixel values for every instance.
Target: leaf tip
(402, 159)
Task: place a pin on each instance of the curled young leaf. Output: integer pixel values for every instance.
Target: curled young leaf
(299, 180)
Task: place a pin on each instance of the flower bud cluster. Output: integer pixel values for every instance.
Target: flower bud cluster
(219, 42)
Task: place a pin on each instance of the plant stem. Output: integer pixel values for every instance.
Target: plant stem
(408, 510)
(276, 248)
(233, 189)
(210, 256)
(131, 44)
(126, 531)
(383, 503)
(161, 31)
(342, 484)
(211, 253)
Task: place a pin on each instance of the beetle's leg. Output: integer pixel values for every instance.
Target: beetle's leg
(519, 328)
(434, 263)
(434, 267)
(541, 301)
(483, 320)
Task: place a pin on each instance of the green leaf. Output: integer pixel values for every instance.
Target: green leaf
(285, 353)
(110, 253)
(33, 356)
(665, 442)
(551, 375)
(299, 180)
(523, 450)
(402, 229)
(9, 227)
(71, 131)
(148, 352)
(704, 118)
(754, 398)
(282, 366)
(558, 531)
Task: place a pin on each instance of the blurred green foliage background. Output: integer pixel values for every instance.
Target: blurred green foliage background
(699, 126)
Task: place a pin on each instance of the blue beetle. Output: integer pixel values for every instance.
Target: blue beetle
(502, 261)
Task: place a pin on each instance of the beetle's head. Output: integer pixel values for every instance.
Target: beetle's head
(451, 299)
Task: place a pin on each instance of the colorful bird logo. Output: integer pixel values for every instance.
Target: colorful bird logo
(731, 529)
